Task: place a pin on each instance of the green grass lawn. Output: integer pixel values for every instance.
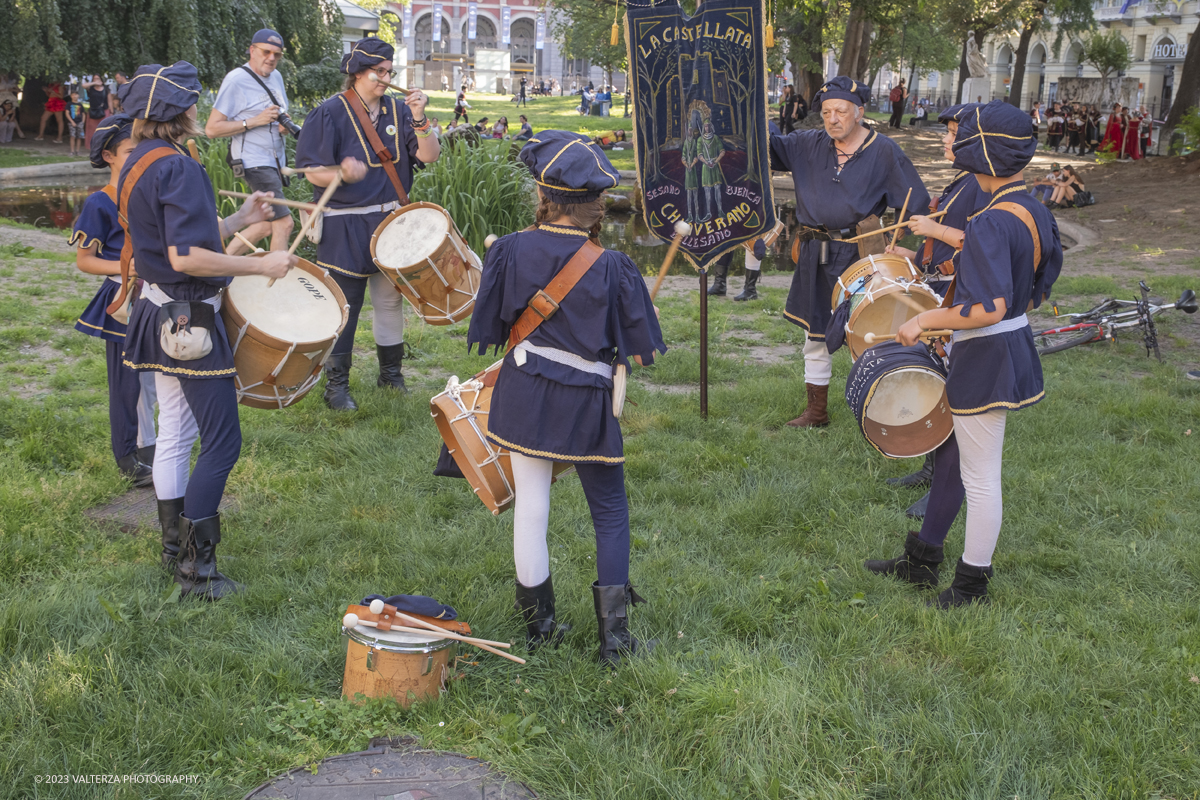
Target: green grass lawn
(782, 669)
(13, 157)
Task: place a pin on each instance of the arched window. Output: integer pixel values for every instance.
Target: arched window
(485, 35)
(523, 34)
(423, 33)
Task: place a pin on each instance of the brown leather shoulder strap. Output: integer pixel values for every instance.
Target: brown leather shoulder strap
(927, 250)
(381, 152)
(538, 310)
(1022, 213)
(111, 191)
(135, 174)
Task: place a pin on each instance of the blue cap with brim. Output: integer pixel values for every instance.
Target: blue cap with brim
(953, 113)
(159, 93)
(268, 36)
(842, 88)
(569, 167)
(994, 139)
(366, 53)
(108, 134)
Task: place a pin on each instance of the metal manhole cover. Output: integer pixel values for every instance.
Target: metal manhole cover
(407, 773)
(138, 508)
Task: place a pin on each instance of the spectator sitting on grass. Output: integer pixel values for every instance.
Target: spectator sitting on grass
(8, 120)
(435, 127)
(526, 130)
(500, 129)
(1043, 188)
(482, 127)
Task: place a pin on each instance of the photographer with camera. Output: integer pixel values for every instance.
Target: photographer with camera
(251, 107)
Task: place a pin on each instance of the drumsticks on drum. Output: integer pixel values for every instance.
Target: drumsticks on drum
(900, 219)
(890, 228)
(872, 338)
(682, 229)
(278, 201)
(350, 620)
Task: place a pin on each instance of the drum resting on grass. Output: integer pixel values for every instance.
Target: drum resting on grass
(898, 396)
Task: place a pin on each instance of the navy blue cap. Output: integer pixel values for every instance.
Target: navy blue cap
(994, 139)
(954, 113)
(366, 53)
(842, 88)
(569, 167)
(111, 132)
(268, 36)
(159, 93)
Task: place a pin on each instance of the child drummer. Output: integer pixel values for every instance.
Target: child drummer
(553, 398)
(938, 255)
(1004, 270)
(100, 237)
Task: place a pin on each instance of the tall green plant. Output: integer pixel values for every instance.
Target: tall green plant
(483, 188)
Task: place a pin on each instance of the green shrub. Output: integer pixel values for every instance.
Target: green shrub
(1190, 126)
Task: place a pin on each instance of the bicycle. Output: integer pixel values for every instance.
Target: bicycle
(1101, 323)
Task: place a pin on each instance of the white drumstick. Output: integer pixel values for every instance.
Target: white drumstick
(490, 240)
(350, 620)
(308, 223)
(872, 338)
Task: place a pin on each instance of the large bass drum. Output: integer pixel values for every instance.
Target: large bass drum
(898, 396)
(420, 250)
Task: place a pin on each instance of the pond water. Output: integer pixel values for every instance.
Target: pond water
(49, 206)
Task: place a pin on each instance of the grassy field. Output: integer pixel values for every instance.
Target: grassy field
(13, 157)
(782, 671)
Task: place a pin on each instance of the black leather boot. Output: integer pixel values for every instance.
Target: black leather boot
(969, 586)
(749, 292)
(169, 512)
(921, 477)
(536, 604)
(337, 383)
(146, 455)
(612, 617)
(141, 474)
(917, 565)
(391, 358)
(917, 510)
(196, 571)
(720, 273)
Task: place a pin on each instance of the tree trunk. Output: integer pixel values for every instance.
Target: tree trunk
(1187, 90)
(962, 74)
(863, 63)
(33, 102)
(848, 62)
(1022, 54)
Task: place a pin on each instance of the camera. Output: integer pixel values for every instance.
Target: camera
(285, 122)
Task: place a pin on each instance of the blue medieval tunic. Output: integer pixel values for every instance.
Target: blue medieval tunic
(98, 225)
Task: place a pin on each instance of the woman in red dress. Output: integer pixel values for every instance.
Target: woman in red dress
(1113, 132)
(1133, 145)
(55, 106)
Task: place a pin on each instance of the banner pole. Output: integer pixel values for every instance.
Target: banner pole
(703, 344)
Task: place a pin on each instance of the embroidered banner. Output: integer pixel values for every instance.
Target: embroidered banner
(700, 123)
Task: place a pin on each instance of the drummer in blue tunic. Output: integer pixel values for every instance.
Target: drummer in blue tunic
(332, 136)
(174, 330)
(938, 255)
(843, 175)
(100, 237)
(1011, 257)
(553, 397)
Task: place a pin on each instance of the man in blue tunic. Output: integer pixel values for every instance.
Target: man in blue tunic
(844, 175)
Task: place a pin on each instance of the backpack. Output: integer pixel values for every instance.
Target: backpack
(897, 95)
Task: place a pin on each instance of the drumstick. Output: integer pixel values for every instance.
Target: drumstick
(289, 171)
(682, 229)
(435, 631)
(889, 228)
(191, 146)
(900, 219)
(378, 79)
(350, 620)
(279, 201)
(872, 338)
(376, 606)
(329, 190)
(248, 243)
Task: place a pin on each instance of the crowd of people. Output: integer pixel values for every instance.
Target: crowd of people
(1083, 129)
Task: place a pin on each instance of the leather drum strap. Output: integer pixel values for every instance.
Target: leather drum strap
(560, 285)
(927, 250)
(131, 180)
(381, 152)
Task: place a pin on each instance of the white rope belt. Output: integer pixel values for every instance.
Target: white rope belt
(1003, 326)
(337, 212)
(563, 357)
(155, 295)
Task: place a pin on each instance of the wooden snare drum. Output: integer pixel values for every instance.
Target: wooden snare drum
(421, 251)
(408, 667)
(889, 265)
(898, 396)
(881, 305)
(282, 334)
(461, 416)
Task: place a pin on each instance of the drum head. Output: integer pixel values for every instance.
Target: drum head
(398, 641)
(298, 308)
(414, 234)
(907, 414)
(883, 307)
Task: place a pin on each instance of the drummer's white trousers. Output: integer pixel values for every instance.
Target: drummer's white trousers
(387, 305)
(818, 362)
(531, 518)
(752, 263)
(981, 451)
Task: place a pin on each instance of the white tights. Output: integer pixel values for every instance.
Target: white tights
(752, 263)
(387, 304)
(818, 363)
(981, 452)
(531, 518)
(177, 433)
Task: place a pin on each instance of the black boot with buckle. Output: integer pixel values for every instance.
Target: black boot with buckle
(917, 565)
(141, 474)
(612, 617)
(169, 512)
(391, 359)
(337, 383)
(196, 571)
(536, 604)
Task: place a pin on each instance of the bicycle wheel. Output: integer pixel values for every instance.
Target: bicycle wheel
(1054, 341)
